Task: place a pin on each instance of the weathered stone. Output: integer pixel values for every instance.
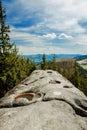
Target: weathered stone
(47, 101)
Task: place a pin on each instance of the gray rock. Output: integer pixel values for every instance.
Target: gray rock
(44, 101)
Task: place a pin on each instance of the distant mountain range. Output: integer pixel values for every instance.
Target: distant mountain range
(81, 57)
(38, 57)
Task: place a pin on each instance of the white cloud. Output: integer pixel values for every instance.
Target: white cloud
(81, 40)
(50, 36)
(42, 50)
(26, 50)
(24, 37)
(65, 36)
(56, 16)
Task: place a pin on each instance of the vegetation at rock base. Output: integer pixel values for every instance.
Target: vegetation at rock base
(13, 68)
(70, 69)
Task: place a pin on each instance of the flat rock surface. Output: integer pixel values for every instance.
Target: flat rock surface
(44, 101)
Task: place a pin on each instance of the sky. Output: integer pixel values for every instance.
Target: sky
(48, 26)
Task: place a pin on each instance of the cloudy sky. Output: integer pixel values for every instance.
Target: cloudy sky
(48, 26)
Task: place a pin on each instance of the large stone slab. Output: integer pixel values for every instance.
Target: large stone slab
(44, 101)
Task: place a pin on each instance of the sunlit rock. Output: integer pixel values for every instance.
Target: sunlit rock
(44, 101)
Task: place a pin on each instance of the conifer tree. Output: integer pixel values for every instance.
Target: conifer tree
(43, 65)
(5, 45)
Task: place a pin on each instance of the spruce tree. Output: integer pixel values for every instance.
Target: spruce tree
(43, 65)
(5, 45)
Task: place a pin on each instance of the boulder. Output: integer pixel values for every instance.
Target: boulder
(44, 101)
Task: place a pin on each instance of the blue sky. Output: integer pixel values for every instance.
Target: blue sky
(48, 26)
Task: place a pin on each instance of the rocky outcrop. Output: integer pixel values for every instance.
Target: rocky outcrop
(44, 101)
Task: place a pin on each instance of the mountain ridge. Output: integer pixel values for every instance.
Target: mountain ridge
(37, 58)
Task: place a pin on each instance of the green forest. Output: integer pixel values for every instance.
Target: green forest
(14, 68)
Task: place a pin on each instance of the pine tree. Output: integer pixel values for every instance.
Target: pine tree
(5, 46)
(43, 65)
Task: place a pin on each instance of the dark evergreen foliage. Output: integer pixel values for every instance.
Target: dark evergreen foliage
(43, 65)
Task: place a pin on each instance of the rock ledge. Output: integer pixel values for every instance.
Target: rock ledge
(44, 101)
